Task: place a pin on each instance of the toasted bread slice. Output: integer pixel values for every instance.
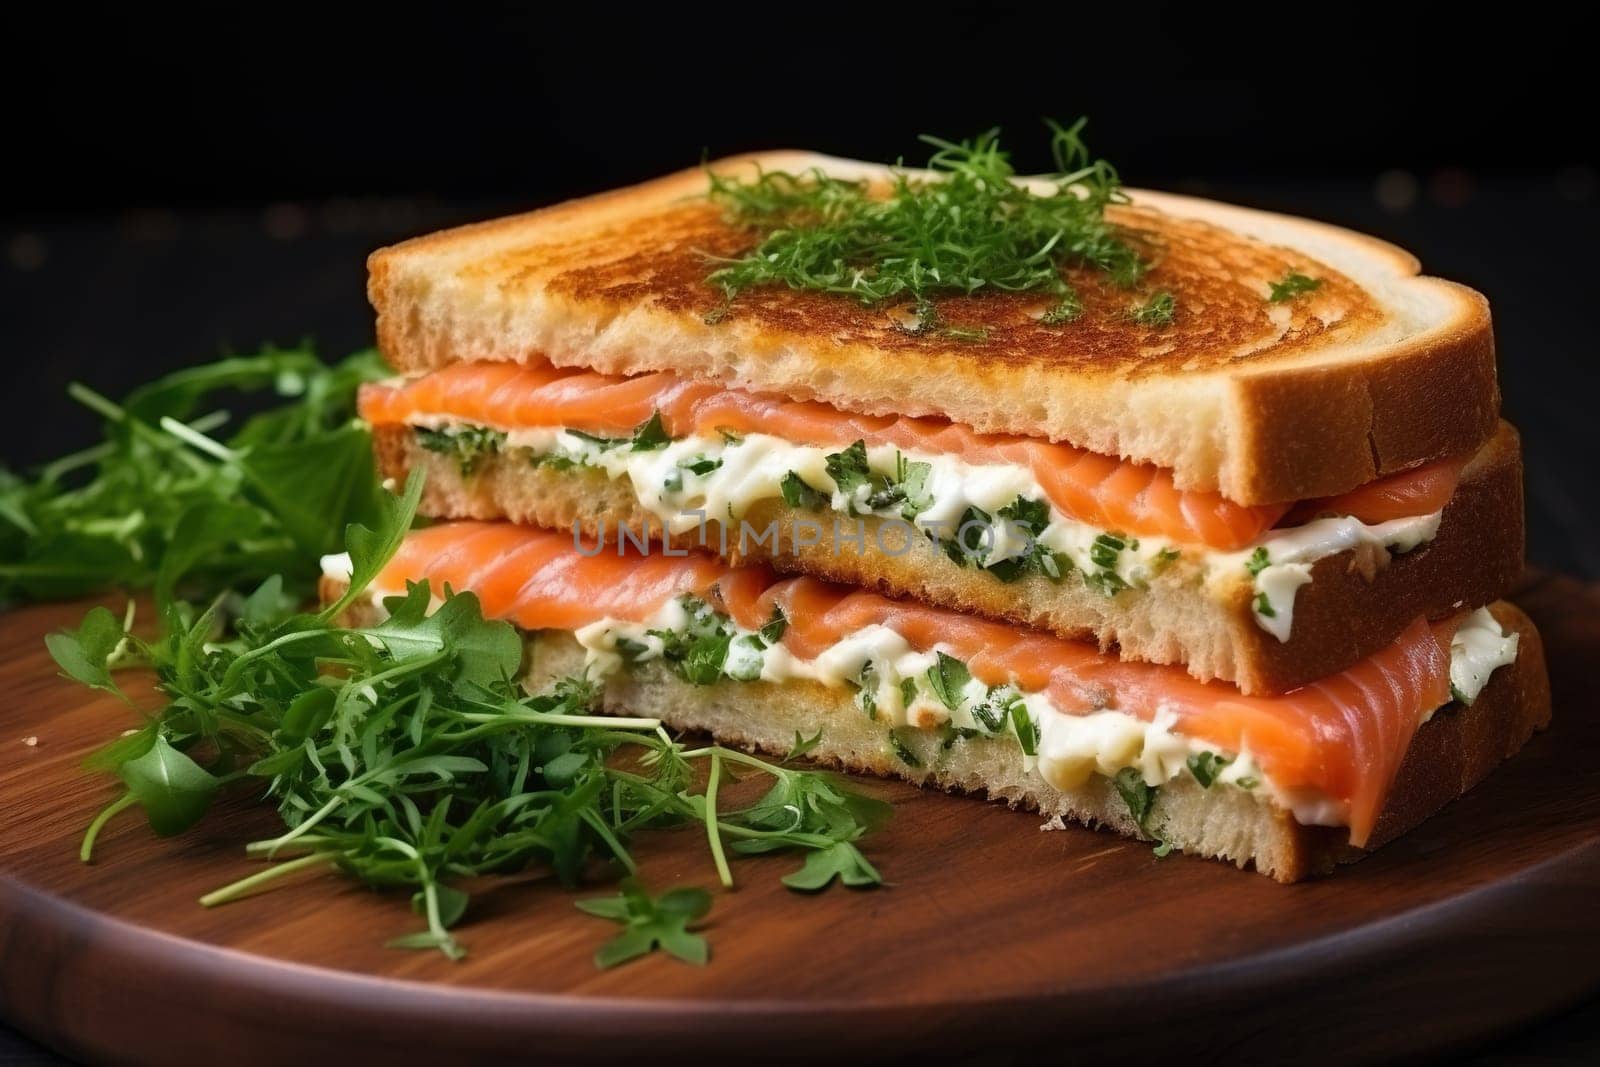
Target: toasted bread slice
(1450, 753)
(1352, 606)
(1377, 370)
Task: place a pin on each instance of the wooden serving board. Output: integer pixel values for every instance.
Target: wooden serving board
(994, 938)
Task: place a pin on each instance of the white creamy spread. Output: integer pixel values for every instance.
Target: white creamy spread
(1291, 553)
(1479, 648)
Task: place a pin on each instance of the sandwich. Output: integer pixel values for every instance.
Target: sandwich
(1242, 490)
(1171, 454)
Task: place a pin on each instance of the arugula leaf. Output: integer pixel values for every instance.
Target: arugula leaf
(841, 860)
(370, 549)
(650, 923)
(154, 502)
(947, 678)
(173, 789)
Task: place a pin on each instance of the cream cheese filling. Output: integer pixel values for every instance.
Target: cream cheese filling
(702, 478)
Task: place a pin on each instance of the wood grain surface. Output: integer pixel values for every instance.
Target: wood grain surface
(992, 939)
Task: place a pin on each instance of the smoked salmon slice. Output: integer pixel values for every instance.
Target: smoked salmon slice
(1343, 737)
(1103, 491)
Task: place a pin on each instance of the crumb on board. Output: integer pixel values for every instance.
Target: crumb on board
(31, 741)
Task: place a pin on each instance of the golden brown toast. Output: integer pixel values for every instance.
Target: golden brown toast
(1377, 370)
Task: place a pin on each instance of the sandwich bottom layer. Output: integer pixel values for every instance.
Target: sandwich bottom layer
(1449, 754)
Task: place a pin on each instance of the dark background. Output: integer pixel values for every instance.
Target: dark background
(185, 185)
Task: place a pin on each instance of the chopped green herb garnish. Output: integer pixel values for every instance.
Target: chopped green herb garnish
(902, 751)
(729, 437)
(1264, 607)
(969, 228)
(1139, 797)
(849, 469)
(1205, 766)
(773, 631)
(1258, 561)
(1027, 731)
(1106, 549)
(948, 678)
(1246, 782)
(469, 446)
(868, 681)
(701, 466)
(1292, 286)
(651, 435)
(908, 691)
(1157, 311)
(797, 494)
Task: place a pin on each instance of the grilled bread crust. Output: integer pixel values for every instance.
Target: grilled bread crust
(1451, 752)
(1351, 609)
(1377, 370)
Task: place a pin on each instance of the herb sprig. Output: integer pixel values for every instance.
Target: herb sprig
(165, 501)
(968, 228)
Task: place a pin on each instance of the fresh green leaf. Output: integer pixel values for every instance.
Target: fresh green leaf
(849, 469)
(173, 789)
(1139, 797)
(651, 435)
(802, 745)
(948, 678)
(84, 655)
(371, 548)
(797, 494)
(841, 860)
(1205, 766)
(774, 629)
(651, 923)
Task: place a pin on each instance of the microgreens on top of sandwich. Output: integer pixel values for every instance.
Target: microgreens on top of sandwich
(967, 227)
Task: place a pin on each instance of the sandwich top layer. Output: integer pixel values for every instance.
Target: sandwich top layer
(1329, 751)
(1374, 370)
